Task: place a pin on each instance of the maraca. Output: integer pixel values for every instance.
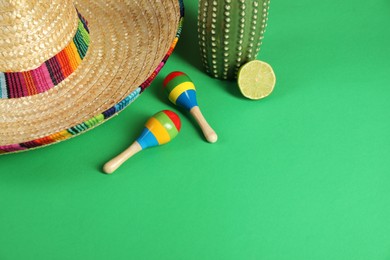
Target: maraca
(181, 91)
(159, 129)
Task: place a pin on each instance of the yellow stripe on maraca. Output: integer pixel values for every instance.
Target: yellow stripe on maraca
(179, 89)
(158, 130)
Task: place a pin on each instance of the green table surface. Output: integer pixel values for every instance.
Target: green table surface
(301, 174)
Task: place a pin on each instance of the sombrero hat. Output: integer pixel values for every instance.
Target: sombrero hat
(67, 66)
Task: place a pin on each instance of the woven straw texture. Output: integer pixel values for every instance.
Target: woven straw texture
(130, 41)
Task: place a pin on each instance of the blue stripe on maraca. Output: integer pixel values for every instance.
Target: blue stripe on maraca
(187, 99)
(147, 139)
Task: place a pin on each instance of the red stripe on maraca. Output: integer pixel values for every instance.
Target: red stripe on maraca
(171, 76)
(174, 117)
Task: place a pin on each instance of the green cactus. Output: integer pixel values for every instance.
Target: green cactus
(230, 34)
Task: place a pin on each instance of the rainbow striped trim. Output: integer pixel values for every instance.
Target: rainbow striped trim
(51, 72)
(100, 118)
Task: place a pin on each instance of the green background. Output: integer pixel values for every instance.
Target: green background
(302, 174)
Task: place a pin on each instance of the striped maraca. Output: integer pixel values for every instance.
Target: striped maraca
(181, 91)
(159, 129)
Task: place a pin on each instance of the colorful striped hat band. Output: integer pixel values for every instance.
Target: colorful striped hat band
(51, 72)
(61, 76)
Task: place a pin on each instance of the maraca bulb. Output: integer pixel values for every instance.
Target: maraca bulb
(160, 129)
(181, 90)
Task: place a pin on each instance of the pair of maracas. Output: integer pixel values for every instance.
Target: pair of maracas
(165, 125)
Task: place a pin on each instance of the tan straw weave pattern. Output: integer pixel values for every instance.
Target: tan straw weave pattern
(129, 39)
(34, 31)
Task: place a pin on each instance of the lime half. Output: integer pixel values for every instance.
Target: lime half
(256, 79)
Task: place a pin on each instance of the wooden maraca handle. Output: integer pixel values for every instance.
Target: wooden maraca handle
(114, 163)
(208, 132)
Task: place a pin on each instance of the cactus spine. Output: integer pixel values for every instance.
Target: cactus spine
(230, 34)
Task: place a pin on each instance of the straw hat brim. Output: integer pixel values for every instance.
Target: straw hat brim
(130, 42)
